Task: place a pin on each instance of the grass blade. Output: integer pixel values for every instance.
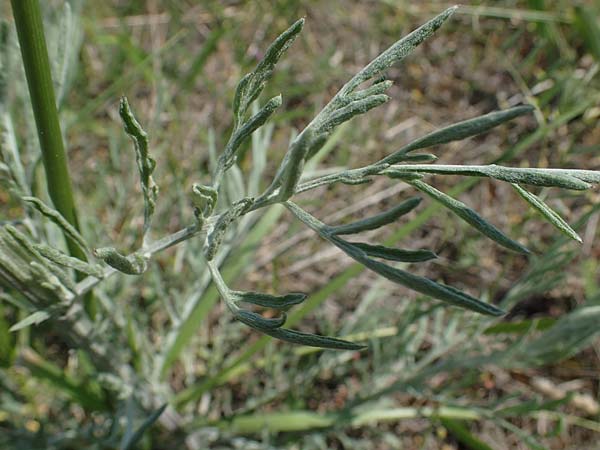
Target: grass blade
(130, 441)
(80, 392)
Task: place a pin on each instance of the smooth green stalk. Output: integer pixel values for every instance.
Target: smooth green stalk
(30, 30)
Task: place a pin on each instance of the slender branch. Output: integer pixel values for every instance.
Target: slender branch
(184, 234)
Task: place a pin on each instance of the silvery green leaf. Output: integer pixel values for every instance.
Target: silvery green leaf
(587, 176)
(26, 248)
(344, 106)
(547, 212)
(59, 220)
(215, 237)
(397, 52)
(204, 199)
(416, 283)
(134, 264)
(460, 131)
(311, 340)
(379, 220)
(395, 254)
(536, 177)
(257, 321)
(423, 285)
(33, 319)
(63, 259)
(561, 178)
(69, 35)
(290, 171)
(376, 89)
(281, 302)
(470, 216)
(227, 159)
(253, 83)
(347, 112)
(144, 162)
(271, 326)
(53, 280)
(347, 103)
(14, 262)
(351, 176)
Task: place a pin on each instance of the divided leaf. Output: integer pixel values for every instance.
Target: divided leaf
(289, 172)
(272, 326)
(204, 199)
(423, 285)
(241, 133)
(215, 237)
(49, 275)
(144, 162)
(397, 52)
(253, 83)
(347, 112)
(346, 104)
(376, 89)
(420, 284)
(65, 260)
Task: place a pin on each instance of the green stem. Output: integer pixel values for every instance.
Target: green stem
(30, 30)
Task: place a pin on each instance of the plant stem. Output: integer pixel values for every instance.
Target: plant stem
(30, 30)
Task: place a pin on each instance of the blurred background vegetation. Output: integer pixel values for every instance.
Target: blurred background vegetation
(434, 378)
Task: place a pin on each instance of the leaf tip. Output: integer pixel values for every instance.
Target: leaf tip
(299, 24)
(496, 312)
(276, 101)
